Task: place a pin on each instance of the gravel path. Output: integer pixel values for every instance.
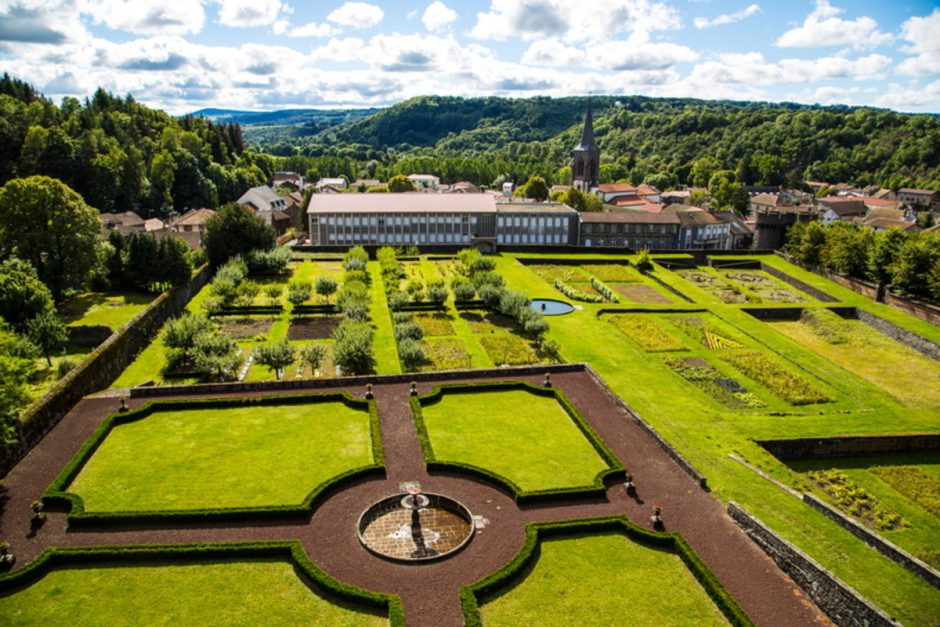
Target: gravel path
(429, 591)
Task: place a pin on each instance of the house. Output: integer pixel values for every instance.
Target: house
(770, 230)
(700, 229)
(928, 199)
(193, 221)
(461, 187)
(154, 224)
(633, 230)
(741, 235)
(879, 203)
(611, 193)
(268, 205)
(288, 180)
(124, 223)
(841, 208)
(338, 183)
(765, 202)
(424, 181)
(361, 185)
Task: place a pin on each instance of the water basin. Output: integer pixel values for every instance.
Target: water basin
(549, 307)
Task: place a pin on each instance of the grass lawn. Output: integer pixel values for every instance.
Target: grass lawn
(229, 593)
(216, 458)
(111, 309)
(604, 580)
(531, 440)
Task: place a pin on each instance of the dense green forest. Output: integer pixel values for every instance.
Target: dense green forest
(668, 142)
(122, 156)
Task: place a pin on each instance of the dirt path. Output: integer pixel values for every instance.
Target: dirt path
(429, 591)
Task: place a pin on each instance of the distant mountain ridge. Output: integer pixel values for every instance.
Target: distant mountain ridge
(287, 117)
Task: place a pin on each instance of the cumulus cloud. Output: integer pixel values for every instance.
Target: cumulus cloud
(416, 53)
(906, 98)
(438, 15)
(313, 30)
(552, 52)
(751, 67)
(248, 13)
(39, 22)
(823, 27)
(340, 50)
(638, 54)
(569, 20)
(357, 15)
(924, 45)
(146, 17)
(727, 18)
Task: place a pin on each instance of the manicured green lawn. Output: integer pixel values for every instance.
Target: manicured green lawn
(604, 580)
(218, 458)
(531, 440)
(112, 309)
(229, 593)
(705, 431)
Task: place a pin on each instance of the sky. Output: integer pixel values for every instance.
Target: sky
(277, 54)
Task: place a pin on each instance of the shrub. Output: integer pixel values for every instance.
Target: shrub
(575, 294)
(605, 291)
(276, 356)
(437, 293)
(410, 352)
(463, 290)
(397, 299)
(326, 286)
(273, 261)
(64, 366)
(273, 292)
(353, 351)
(408, 330)
(298, 292)
(246, 292)
(643, 261)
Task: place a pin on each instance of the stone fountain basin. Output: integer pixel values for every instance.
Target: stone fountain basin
(445, 527)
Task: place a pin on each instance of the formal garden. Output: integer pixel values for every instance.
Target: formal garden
(714, 358)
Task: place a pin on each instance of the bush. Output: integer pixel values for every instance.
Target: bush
(276, 356)
(411, 353)
(298, 292)
(313, 356)
(408, 330)
(463, 290)
(64, 367)
(437, 293)
(604, 290)
(353, 351)
(575, 294)
(643, 261)
(326, 286)
(273, 261)
(397, 299)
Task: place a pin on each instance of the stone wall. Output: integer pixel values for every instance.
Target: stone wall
(851, 446)
(100, 368)
(886, 548)
(841, 603)
(917, 342)
(800, 285)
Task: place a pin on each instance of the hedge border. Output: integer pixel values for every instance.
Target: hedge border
(320, 582)
(57, 494)
(515, 570)
(615, 469)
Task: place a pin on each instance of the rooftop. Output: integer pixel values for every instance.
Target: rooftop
(630, 217)
(402, 203)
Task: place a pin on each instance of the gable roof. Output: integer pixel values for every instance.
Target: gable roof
(410, 202)
(261, 197)
(194, 217)
(629, 217)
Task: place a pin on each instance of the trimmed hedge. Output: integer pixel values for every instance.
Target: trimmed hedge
(257, 310)
(575, 294)
(605, 291)
(300, 310)
(615, 470)
(503, 579)
(57, 494)
(291, 551)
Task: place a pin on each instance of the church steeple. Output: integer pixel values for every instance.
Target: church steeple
(587, 156)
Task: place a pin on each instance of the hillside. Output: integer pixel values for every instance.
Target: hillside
(656, 140)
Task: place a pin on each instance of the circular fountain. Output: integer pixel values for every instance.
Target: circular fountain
(415, 527)
(551, 307)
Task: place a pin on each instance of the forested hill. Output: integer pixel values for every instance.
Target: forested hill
(122, 156)
(657, 140)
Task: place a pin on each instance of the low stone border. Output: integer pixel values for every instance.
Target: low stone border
(816, 293)
(875, 541)
(908, 338)
(668, 287)
(840, 602)
(304, 384)
(683, 463)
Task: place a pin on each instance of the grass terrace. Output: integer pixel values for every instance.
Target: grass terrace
(237, 455)
(111, 309)
(528, 438)
(600, 580)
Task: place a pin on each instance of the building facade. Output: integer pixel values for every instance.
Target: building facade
(585, 170)
(634, 230)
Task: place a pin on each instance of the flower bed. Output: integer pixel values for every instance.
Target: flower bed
(643, 330)
(709, 380)
(785, 384)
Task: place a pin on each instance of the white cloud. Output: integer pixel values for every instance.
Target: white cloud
(146, 17)
(417, 53)
(357, 15)
(638, 54)
(823, 28)
(552, 52)
(727, 18)
(339, 50)
(438, 15)
(921, 32)
(572, 20)
(314, 30)
(248, 13)
(752, 68)
(907, 98)
(36, 22)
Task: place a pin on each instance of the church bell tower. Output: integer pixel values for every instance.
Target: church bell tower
(587, 157)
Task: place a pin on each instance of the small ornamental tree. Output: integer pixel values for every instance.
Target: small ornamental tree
(463, 290)
(536, 188)
(22, 294)
(179, 337)
(352, 350)
(298, 292)
(437, 293)
(400, 183)
(276, 356)
(326, 286)
(217, 355)
(313, 356)
(643, 262)
(411, 353)
(46, 331)
(235, 230)
(273, 292)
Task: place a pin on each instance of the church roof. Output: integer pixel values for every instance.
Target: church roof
(587, 133)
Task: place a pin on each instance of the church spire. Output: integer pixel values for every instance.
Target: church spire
(585, 170)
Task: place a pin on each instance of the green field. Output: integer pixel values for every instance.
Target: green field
(256, 592)
(109, 309)
(530, 440)
(224, 457)
(604, 580)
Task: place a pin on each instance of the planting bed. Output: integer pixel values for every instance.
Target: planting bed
(614, 273)
(643, 294)
(568, 274)
(246, 328)
(444, 354)
(312, 327)
(742, 286)
(435, 324)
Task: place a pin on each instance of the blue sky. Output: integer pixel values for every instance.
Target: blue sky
(272, 54)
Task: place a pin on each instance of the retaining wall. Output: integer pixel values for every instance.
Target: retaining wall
(915, 341)
(99, 369)
(886, 548)
(851, 446)
(816, 293)
(841, 603)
